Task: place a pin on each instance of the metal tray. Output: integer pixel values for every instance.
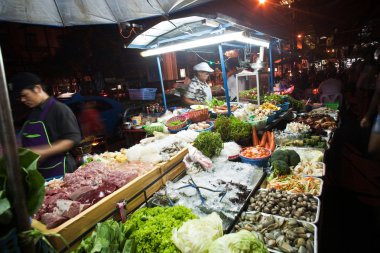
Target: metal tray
(228, 222)
(317, 214)
(315, 234)
(316, 195)
(323, 171)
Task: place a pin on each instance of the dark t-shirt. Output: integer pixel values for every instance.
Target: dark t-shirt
(60, 123)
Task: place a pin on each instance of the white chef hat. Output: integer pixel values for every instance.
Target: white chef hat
(203, 66)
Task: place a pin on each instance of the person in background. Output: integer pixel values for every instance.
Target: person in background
(231, 83)
(331, 85)
(374, 139)
(198, 90)
(51, 129)
(374, 107)
(90, 120)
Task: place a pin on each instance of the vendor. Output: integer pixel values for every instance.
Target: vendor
(51, 129)
(199, 91)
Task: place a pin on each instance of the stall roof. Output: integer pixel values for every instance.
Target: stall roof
(88, 12)
(188, 28)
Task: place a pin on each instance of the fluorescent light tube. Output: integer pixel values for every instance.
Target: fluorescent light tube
(192, 44)
(238, 36)
(253, 41)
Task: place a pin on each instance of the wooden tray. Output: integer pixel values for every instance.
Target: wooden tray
(86, 220)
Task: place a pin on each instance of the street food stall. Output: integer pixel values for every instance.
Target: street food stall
(198, 32)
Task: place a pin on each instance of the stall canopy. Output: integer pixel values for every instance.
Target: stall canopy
(200, 31)
(190, 28)
(88, 12)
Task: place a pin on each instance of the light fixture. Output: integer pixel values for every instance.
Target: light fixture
(238, 36)
(210, 23)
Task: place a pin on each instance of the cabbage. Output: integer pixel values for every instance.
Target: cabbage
(195, 236)
(242, 241)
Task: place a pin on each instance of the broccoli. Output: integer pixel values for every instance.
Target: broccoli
(322, 144)
(279, 155)
(293, 157)
(280, 168)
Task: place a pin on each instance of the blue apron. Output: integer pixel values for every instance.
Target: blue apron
(34, 134)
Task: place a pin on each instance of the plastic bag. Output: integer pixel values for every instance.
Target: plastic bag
(196, 157)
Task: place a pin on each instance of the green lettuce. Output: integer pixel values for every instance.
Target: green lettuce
(242, 241)
(195, 236)
(151, 228)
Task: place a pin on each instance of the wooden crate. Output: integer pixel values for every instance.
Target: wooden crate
(85, 221)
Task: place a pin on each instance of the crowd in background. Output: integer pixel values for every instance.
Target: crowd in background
(353, 88)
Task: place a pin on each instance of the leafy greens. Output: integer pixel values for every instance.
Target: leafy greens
(34, 184)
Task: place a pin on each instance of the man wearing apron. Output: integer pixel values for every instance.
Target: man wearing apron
(51, 129)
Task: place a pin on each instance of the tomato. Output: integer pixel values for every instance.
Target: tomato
(255, 152)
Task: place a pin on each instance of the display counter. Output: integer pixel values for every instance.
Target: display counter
(134, 193)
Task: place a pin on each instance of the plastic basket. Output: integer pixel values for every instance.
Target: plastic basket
(271, 118)
(285, 106)
(277, 113)
(9, 242)
(261, 162)
(207, 129)
(258, 124)
(177, 130)
(198, 115)
(181, 118)
(142, 94)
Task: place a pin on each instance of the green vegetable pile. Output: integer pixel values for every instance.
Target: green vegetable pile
(274, 98)
(147, 230)
(151, 228)
(240, 129)
(249, 94)
(109, 236)
(313, 141)
(295, 104)
(175, 123)
(214, 102)
(281, 161)
(34, 185)
(232, 128)
(209, 143)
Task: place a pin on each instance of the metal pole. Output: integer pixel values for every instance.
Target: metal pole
(271, 73)
(224, 78)
(12, 163)
(162, 83)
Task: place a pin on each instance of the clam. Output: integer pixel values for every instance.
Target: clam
(300, 242)
(309, 227)
(285, 247)
(271, 243)
(302, 249)
(310, 245)
(292, 222)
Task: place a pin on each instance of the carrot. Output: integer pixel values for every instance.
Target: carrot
(255, 138)
(263, 139)
(272, 145)
(267, 144)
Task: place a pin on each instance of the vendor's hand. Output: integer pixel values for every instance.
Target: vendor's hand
(365, 122)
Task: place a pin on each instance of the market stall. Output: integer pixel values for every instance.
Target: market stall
(196, 32)
(273, 194)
